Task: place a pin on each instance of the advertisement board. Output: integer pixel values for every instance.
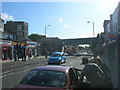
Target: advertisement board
(5, 42)
(31, 44)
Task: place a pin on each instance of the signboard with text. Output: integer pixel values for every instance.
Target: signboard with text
(5, 42)
(31, 44)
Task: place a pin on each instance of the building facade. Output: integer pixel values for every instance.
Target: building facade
(51, 44)
(110, 45)
(1, 35)
(13, 40)
(1, 27)
(19, 30)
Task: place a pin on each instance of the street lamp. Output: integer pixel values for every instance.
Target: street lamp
(45, 29)
(93, 27)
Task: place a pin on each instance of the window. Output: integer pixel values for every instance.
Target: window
(22, 27)
(19, 27)
(45, 78)
(23, 33)
(56, 55)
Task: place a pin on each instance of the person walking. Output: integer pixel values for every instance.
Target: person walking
(93, 74)
(106, 71)
(29, 53)
(4, 54)
(46, 53)
(23, 52)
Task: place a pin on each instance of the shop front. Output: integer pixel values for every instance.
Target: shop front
(31, 49)
(19, 51)
(6, 48)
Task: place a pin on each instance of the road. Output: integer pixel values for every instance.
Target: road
(13, 72)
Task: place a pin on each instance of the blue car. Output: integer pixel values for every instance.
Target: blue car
(57, 58)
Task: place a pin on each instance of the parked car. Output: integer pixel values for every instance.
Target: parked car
(55, 77)
(57, 58)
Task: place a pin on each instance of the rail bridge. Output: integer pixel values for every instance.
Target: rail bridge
(78, 41)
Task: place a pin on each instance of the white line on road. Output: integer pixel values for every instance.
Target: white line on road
(6, 72)
(26, 69)
(14, 73)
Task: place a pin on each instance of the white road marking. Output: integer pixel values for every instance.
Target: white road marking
(26, 69)
(14, 72)
(5, 72)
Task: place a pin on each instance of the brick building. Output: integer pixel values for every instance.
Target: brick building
(18, 29)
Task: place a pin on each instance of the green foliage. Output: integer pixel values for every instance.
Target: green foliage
(35, 37)
(87, 47)
(81, 48)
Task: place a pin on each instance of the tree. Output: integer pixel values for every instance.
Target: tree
(81, 48)
(35, 37)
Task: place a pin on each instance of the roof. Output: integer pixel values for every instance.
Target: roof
(54, 68)
(16, 22)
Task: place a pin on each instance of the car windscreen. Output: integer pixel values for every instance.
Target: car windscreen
(45, 78)
(56, 55)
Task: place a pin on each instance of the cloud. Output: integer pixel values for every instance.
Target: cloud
(11, 17)
(5, 16)
(61, 19)
(66, 26)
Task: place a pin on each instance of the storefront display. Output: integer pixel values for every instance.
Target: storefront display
(6, 47)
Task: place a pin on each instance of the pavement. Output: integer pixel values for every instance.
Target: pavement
(5, 61)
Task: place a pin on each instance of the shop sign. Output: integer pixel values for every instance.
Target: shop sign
(14, 43)
(5, 42)
(31, 44)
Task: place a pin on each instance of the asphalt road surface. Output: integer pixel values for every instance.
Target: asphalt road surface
(13, 72)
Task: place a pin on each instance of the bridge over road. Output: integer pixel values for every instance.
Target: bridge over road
(78, 41)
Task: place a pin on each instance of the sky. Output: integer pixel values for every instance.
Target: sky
(67, 18)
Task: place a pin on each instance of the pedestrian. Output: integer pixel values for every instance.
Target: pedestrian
(14, 54)
(29, 53)
(46, 53)
(93, 74)
(4, 53)
(23, 53)
(106, 71)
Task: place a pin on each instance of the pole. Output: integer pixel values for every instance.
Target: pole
(45, 30)
(93, 27)
(93, 30)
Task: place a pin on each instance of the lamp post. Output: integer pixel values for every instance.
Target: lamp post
(45, 29)
(93, 27)
(45, 42)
